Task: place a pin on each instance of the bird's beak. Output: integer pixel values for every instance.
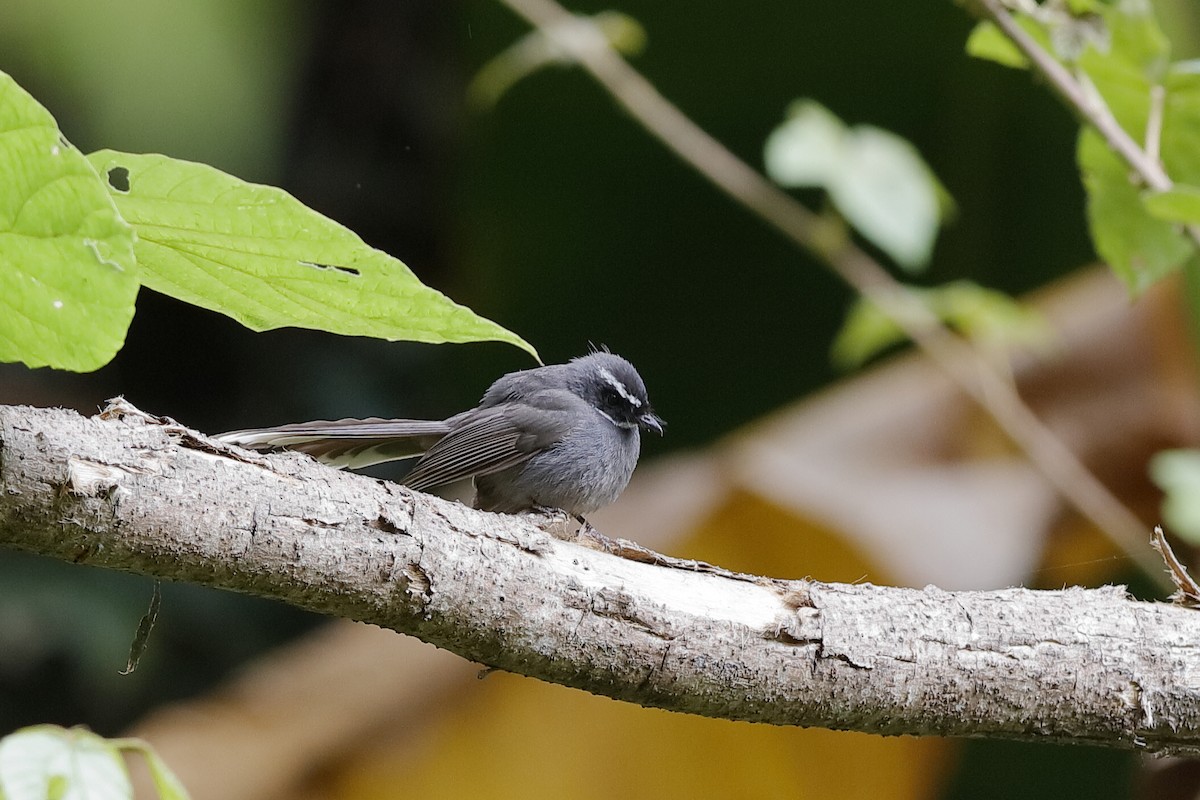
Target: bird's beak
(652, 422)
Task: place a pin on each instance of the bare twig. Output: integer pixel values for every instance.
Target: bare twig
(967, 368)
(1154, 123)
(1187, 592)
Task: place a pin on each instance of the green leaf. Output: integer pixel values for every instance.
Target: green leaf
(866, 332)
(989, 43)
(1180, 144)
(1177, 473)
(166, 783)
(985, 316)
(48, 761)
(258, 255)
(1136, 38)
(1178, 204)
(1139, 247)
(67, 274)
(1138, 233)
(886, 191)
(808, 149)
(875, 179)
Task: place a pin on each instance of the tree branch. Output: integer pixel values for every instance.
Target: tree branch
(141, 494)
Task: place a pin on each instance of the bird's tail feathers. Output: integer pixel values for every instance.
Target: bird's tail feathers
(352, 443)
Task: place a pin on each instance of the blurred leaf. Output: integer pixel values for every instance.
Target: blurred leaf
(808, 148)
(887, 192)
(989, 317)
(258, 255)
(1179, 204)
(1139, 247)
(985, 316)
(1136, 38)
(166, 783)
(1177, 473)
(1132, 59)
(67, 274)
(876, 179)
(987, 42)
(47, 761)
(1180, 145)
(866, 332)
(1071, 35)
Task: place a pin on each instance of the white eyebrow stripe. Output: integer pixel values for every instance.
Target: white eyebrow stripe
(628, 425)
(620, 387)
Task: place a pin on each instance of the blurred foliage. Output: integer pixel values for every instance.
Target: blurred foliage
(1177, 473)
(874, 178)
(48, 761)
(992, 320)
(1121, 55)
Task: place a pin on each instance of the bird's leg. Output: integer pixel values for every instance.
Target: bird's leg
(590, 536)
(572, 528)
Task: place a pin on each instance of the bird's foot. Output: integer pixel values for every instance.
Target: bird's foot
(556, 522)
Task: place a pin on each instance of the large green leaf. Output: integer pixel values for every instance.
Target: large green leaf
(67, 275)
(259, 255)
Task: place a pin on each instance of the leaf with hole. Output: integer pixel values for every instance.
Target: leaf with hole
(258, 255)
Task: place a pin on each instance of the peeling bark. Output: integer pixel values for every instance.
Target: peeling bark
(142, 494)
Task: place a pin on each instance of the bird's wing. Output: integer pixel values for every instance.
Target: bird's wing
(488, 440)
(349, 443)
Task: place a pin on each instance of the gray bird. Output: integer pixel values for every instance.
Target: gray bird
(563, 436)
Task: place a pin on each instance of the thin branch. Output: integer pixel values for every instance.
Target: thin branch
(1154, 122)
(781, 211)
(1087, 105)
(146, 495)
(1082, 97)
